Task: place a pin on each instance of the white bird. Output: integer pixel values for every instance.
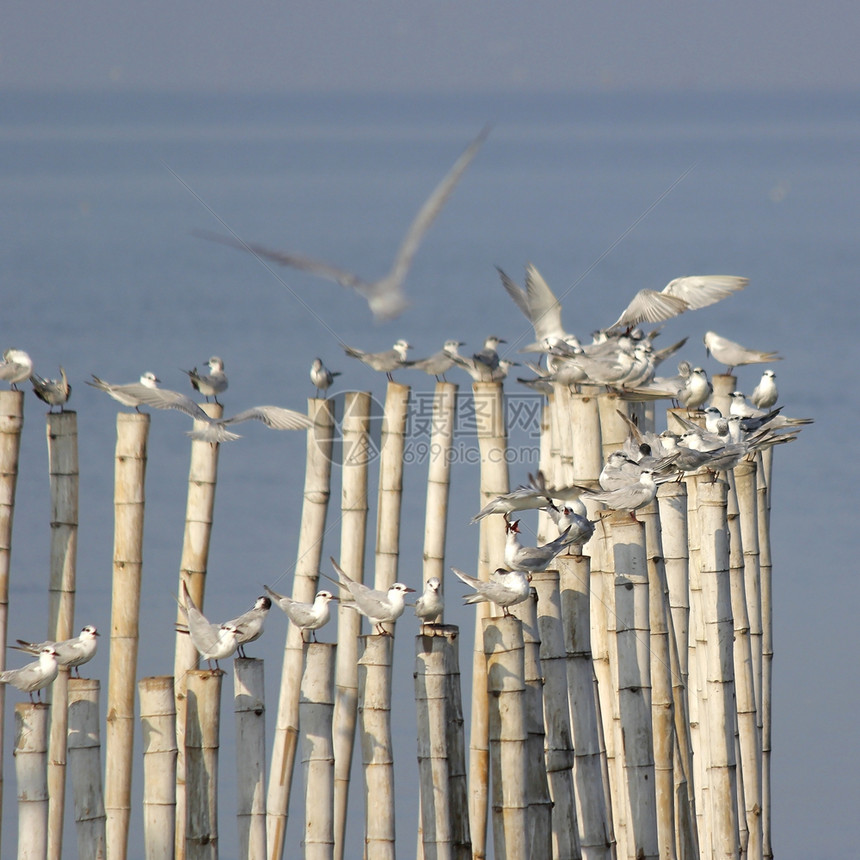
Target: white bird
(54, 392)
(440, 362)
(387, 361)
(505, 589)
(69, 652)
(128, 393)
(321, 376)
(576, 528)
(379, 607)
(531, 558)
(772, 418)
(15, 367)
(631, 496)
(384, 296)
(520, 499)
(209, 384)
(765, 394)
(734, 355)
(250, 624)
(213, 642)
(34, 676)
(429, 606)
(489, 356)
(306, 616)
(274, 417)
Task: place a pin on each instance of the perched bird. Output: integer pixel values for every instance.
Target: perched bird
(429, 606)
(15, 367)
(250, 624)
(378, 606)
(390, 359)
(489, 356)
(575, 528)
(631, 496)
(306, 616)
(505, 588)
(321, 376)
(481, 372)
(531, 558)
(54, 392)
(440, 362)
(128, 393)
(209, 384)
(773, 417)
(69, 652)
(274, 417)
(385, 297)
(765, 394)
(734, 355)
(34, 676)
(213, 642)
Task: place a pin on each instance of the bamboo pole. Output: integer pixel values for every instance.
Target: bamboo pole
(200, 504)
(634, 681)
(317, 491)
(11, 424)
(315, 715)
(461, 840)
(356, 455)
(489, 404)
(31, 758)
(374, 691)
(508, 736)
(559, 757)
(249, 701)
(724, 384)
(158, 724)
(62, 435)
(132, 430)
(84, 755)
(202, 727)
(546, 465)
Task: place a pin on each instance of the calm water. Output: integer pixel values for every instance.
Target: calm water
(99, 272)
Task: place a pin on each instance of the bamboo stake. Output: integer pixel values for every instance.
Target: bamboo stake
(202, 727)
(132, 430)
(84, 752)
(724, 384)
(200, 504)
(546, 465)
(62, 434)
(315, 713)
(559, 756)
(249, 705)
(374, 690)
(590, 772)
(11, 423)
(31, 758)
(461, 840)
(356, 455)
(634, 680)
(508, 735)
(158, 723)
(317, 492)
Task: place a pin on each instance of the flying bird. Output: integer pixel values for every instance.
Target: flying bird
(306, 616)
(69, 652)
(274, 417)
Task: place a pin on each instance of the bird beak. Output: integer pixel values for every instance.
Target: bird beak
(461, 343)
(409, 589)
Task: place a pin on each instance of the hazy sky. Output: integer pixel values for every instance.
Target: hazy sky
(408, 45)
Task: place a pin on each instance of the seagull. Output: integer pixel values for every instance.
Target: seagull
(54, 392)
(390, 359)
(34, 676)
(378, 606)
(274, 417)
(429, 606)
(306, 616)
(321, 376)
(531, 558)
(765, 394)
(15, 367)
(734, 355)
(440, 362)
(505, 589)
(209, 384)
(213, 642)
(384, 296)
(69, 652)
(250, 623)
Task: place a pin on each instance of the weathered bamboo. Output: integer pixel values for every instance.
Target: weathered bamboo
(508, 736)
(132, 430)
(717, 604)
(545, 464)
(491, 429)
(561, 398)
(158, 724)
(31, 758)
(200, 505)
(317, 491)
(356, 456)
(559, 756)
(439, 480)
(249, 703)
(202, 727)
(11, 423)
(85, 772)
(461, 840)
(590, 772)
(315, 715)
(634, 680)
(724, 384)
(62, 434)
(374, 692)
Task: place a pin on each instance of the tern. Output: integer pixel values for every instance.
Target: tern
(385, 297)
(250, 624)
(440, 362)
(213, 642)
(734, 355)
(429, 606)
(506, 588)
(321, 376)
(575, 528)
(489, 356)
(54, 392)
(69, 652)
(531, 558)
(209, 384)
(390, 359)
(378, 606)
(306, 616)
(34, 676)
(631, 496)
(15, 367)
(765, 394)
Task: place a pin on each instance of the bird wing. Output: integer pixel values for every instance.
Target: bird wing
(164, 398)
(544, 307)
(274, 417)
(650, 306)
(517, 293)
(699, 291)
